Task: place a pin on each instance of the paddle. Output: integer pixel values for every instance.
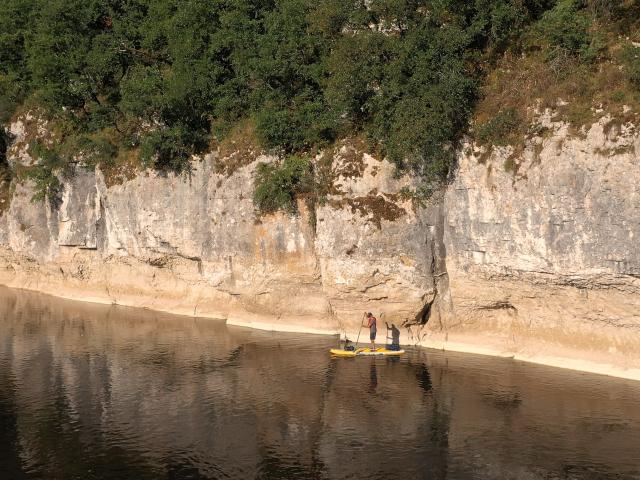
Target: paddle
(358, 339)
(385, 322)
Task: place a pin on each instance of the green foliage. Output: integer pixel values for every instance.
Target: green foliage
(276, 186)
(4, 144)
(411, 84)
(169, 78)
(418, 195)
(631, 59)
(5, 171)
(14, 78)
(57, 161)
(565, 32)
(168, 75)
(169, 149)
(45, 173)
(91, 151)
(426, 98)
(499, 130)
(618, 96)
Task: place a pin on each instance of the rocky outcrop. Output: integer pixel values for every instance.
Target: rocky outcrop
(542, 249)
(193, 244)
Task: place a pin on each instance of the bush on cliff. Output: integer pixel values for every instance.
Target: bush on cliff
(4, 144)
(5, 171)
(45, 173)
(564, 32)
(277, 185)
(499, 129)
(631, 59)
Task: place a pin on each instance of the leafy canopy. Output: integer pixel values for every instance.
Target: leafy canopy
(168, 76)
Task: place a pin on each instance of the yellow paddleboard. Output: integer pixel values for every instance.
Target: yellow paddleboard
(338, 352)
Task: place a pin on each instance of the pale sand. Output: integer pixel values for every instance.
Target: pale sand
(579, 364)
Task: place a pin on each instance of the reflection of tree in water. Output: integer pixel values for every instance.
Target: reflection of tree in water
(234, 356)
(179, 469)
(273, 413)
(272, 467)
(9, 453)
(439, 436)
(424, 378)
(207, 364)
(318, 465)
(86, 397)
(373, 377)
(508, 402)
(56, 443)
(437, 429)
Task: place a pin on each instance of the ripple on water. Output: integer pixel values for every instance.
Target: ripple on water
(91, 391)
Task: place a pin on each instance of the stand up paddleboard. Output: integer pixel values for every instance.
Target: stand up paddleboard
(361, 352)
(393, 341)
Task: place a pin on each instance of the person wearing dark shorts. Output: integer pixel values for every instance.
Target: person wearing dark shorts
(373, 329)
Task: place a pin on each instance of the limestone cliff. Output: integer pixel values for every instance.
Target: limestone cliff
(542, 249)
(193, 244)
(528, 253)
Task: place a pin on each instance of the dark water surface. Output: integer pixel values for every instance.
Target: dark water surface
(90, 391)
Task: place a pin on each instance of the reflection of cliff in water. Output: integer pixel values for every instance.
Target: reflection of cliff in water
(146, 389)
(138, 394)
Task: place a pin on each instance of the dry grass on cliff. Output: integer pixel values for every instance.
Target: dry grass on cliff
(580, 93)
(345, 159)
(124, 167)
(237, 149)
(373, 207)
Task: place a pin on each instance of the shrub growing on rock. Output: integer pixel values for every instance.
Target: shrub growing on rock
(45, 173)
(499, 129)
(631, 58)
(565, 32)
(278, 185)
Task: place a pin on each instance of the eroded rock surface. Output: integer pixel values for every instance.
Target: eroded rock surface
(542, 256)
(193, 244)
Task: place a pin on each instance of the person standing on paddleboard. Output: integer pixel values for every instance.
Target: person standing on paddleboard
(373, 328)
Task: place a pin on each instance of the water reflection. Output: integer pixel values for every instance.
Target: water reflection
(89, 391)
(373, 377)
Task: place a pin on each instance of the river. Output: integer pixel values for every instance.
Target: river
(104, 392)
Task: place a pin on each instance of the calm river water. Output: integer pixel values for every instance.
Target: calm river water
(91, 391)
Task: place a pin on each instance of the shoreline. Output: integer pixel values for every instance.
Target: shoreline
(447, 342)
(555, 361)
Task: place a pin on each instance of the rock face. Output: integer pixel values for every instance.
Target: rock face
(530, 254)
(543, 258)
(193, 244)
